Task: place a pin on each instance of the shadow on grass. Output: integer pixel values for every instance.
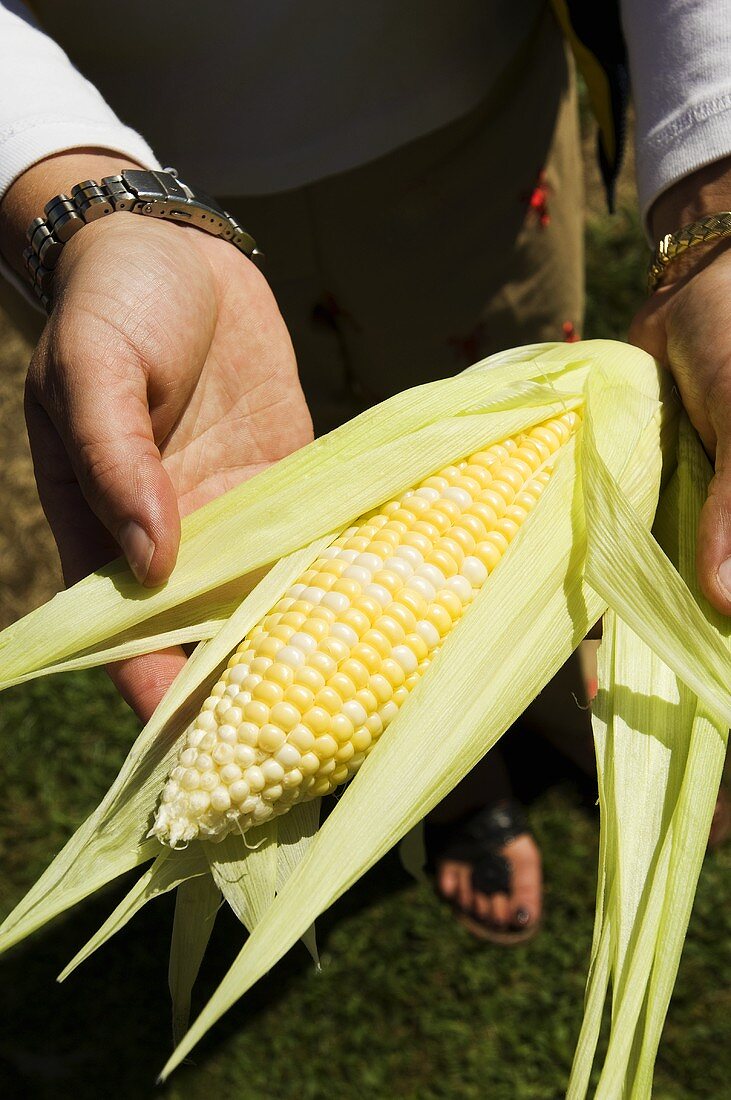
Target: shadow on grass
(107, 1027)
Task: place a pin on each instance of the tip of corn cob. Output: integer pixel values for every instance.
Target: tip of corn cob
(313, 686)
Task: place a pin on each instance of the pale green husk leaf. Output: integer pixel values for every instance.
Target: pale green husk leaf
(382, 452)
(245, 871)
(164, 874)
(196, 904)
(660, 759)
(194, 620)
(586, 545)
(355, 468)
(457, 713)
(249, 870)
(114, 838)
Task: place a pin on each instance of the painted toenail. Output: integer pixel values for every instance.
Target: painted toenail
(522, 917)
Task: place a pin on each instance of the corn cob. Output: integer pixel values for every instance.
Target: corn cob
(313, 686)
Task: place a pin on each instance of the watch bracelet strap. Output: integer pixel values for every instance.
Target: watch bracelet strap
(709, 228)
(169, 198)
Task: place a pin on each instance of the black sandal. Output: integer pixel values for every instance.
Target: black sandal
(478, 839)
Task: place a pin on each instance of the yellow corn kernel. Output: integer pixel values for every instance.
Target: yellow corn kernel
(316, 682)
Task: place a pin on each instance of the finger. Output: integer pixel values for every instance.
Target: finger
(83, 542)
(103, 420)
(714, 528)
(143, 681)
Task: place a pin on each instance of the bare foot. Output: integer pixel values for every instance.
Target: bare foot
(503, 917)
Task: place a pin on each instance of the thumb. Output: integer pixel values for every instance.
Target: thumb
(96, 462)
(714, 531)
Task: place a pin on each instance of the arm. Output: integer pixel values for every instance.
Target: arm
(163, 377)
(47, 107)
(686, 325)
(680, 58)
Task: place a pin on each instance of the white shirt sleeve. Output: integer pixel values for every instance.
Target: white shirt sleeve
(680, 72)
(46, 106)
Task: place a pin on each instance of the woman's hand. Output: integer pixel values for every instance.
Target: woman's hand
(164, 376)
(686, 325)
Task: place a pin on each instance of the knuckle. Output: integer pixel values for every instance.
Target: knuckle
(110, 465)
(101, 465)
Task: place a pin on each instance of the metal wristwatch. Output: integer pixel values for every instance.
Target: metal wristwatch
(158, 194)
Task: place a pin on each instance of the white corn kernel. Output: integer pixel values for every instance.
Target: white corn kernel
(460, 497)
(272, 771)
(290, 655)
(423, 587)
(474, 571)
(288, 756)
(220, 800)
(255, 778)
(239, 791)
(411, 555)
(460, 586)
(404, 657)
(336, 601)
(378, 592)
(358, 574)
(344, 633)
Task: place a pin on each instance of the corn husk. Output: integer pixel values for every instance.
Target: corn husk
(660, 756)
(585, 547)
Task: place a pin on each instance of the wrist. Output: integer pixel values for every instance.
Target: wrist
(690, 204)
(705, 191)
(159, 194)
(28, 194)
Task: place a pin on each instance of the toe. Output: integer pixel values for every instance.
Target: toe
(483, 907)
(465, 893)
(501, 910)
(448, 879)
(526, 881)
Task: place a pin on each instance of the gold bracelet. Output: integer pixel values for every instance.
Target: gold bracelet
(705, 229)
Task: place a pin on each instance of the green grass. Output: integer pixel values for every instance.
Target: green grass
(407, 1005)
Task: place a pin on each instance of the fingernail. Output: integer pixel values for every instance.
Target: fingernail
(138, 548)
(522, 917)
(724, 576)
